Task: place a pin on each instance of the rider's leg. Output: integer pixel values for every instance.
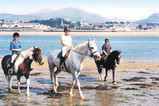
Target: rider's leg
(64, 51)
(12, 63)
(61, 61)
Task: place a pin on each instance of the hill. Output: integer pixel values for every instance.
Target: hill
(13, 17)
(153, 19)
(74, 14)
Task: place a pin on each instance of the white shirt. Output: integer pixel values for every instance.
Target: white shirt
(66, 40)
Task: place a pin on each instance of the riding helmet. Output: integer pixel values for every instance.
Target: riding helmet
(66, 29)
(16, 34)
(106, 39)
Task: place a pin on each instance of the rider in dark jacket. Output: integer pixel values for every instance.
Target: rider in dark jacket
(106, 49)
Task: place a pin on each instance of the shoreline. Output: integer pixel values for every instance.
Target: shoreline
(90, 65)
(122, 34)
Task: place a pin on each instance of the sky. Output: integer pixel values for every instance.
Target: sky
(126, 10)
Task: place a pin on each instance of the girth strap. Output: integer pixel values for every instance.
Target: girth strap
(65, 66)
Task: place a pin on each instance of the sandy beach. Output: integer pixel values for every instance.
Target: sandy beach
(90, 65)
(146, 34)
(137, 81)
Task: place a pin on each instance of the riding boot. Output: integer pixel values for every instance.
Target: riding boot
(10, 71)
(61, 61)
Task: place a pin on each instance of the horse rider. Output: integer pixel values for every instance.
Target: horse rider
(106, 48)
(15, 47)
(66, 41)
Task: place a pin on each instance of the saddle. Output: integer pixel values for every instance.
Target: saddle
(103, 58)
(66, 55)
(9, 60)
(62, 59)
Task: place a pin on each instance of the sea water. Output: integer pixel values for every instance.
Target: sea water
(132, 48)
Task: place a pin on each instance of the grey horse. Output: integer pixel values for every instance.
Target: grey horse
(73, 63)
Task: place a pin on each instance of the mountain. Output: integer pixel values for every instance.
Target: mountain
(74, 14)
(153, 19)
(12, 17)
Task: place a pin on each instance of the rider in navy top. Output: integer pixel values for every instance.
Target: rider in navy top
(15, 47)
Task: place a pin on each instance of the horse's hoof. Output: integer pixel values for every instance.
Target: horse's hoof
(81, 97)
(100, 79)
(114, 83)
(71, 94)
(10, 90)
(19, 93)
(56, 88)
(54, 91)
(27, 95)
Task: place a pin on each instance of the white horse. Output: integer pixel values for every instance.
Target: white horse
(73, 63)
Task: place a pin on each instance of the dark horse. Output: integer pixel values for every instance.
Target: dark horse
(109, 63)
(24, 67)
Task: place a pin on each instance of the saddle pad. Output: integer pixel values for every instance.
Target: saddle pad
(9, 61)
(59, 55)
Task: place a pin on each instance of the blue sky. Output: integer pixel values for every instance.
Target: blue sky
(113, 9)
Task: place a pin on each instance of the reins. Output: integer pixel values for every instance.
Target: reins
(84, 54)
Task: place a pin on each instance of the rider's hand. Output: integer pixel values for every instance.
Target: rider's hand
(19, 49)
(70, 47)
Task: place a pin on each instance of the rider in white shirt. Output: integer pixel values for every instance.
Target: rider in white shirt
(66, 42)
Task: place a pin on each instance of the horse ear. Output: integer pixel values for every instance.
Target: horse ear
(34, 48)
(89, 40)
(120, 52)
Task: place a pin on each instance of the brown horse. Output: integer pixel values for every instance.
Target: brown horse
(24, 67)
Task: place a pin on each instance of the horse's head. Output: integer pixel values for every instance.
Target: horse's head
(93, 51)
(37, 55)
(117, 56)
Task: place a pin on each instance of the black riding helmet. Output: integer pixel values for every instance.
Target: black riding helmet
(106, 39)
(66, 29)
(16, 34)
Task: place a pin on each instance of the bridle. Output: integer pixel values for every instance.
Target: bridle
(35, 55)
(118, 59)
(90, 49)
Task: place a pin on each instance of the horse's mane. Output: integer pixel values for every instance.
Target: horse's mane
(27, 53)
(115, 53)
(31, 49)
(81, 46)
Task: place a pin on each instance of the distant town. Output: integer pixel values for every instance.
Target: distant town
(57, 24)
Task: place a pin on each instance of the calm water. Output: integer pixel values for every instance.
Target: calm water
(133, 48)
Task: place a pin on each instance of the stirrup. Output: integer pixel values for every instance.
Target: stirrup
(61, 67)
(10, 71)
(8, 66)
(101, 66)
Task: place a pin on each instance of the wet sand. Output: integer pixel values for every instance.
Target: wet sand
(140, 33)
(137, 84)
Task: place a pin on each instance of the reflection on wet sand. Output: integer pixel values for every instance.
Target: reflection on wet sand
(138, 85)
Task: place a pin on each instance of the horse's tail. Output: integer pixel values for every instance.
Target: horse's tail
(4, 63)
(50, 62)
